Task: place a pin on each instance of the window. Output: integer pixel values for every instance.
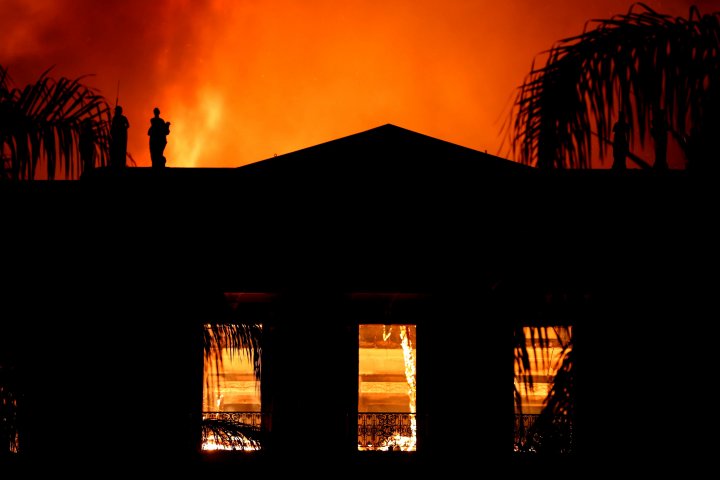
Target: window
(231, 387)
(387, 418)
(543, 389)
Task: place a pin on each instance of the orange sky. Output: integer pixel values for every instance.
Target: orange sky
(242, 80)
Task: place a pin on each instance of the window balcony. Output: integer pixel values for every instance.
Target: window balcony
(231, 431)
(239, 431)
(387, 431)
(528, 435)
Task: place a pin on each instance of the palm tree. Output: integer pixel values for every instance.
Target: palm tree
(61, 125)
(650, 69)
(630, 66)
(635, 65)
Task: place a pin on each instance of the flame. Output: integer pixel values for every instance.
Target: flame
(387, 351)
(197, 130)
(241, 81)
(410, 374)
(230, 386)
(213, 444)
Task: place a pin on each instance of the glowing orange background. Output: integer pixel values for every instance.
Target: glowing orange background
(243, 80)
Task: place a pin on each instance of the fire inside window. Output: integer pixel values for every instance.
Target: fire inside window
(387, 419)
(231, 399)
(543, 389)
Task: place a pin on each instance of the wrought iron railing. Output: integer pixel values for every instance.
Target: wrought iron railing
(231, 431)
(556, 435)
(387, 431)
(245, 418)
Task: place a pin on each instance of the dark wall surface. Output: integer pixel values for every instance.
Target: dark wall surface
(126, 268)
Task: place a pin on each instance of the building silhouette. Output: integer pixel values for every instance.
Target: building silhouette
(383, 227)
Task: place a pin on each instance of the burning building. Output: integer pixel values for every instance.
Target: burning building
(355, 302)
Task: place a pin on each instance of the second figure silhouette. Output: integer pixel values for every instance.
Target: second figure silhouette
(158, 132)
(118, 138)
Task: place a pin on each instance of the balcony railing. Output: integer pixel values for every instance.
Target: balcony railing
(387, 431)
(558, 436)
(231, 431)
(245, 418)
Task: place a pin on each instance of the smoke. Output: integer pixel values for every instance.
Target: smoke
(241, 81)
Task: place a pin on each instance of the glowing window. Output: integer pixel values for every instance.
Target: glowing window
(387, 388)
(544, 393)
(231, 388)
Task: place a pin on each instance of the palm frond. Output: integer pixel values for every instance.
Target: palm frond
(237, 339)
(551, 432)
(40, 126)
(633, 63)
(231, 435)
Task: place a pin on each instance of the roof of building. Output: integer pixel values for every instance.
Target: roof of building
(383, 150)
(390, 208)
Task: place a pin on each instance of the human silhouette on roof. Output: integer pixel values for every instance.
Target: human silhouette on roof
(620, 143)
(158, 132)
(118, 138)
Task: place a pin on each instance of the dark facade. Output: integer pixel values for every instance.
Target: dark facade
(110, 279)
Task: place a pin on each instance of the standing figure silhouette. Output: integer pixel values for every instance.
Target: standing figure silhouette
(158, 132)
(620, 143)
(118, 138)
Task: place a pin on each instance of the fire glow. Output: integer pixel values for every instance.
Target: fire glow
(242, 81)
(545, 359)
(231, 398)
(211, 443)
(387, 388)
(410, 370)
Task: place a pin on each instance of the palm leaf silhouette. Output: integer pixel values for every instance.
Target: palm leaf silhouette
(635, 63)
(237, 339)
(551, 432)
(40, 127)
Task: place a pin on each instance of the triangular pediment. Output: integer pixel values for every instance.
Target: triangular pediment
(387, 149)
